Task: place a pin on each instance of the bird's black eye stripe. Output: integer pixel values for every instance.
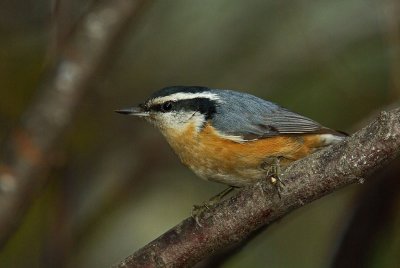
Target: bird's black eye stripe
(163, 107)
(202, 105)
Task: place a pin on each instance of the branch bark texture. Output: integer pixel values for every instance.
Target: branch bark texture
(306, 180)
(26, 151)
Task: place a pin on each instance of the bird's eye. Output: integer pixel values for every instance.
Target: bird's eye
(167, 106)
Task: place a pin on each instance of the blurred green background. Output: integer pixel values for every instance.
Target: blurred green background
(116, 184)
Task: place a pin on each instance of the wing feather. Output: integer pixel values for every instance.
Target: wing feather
(250, 118)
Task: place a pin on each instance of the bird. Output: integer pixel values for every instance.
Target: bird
(231, 137)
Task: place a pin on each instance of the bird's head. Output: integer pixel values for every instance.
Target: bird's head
(174, 109)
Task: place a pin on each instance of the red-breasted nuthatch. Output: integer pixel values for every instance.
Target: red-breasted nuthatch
(228, 136)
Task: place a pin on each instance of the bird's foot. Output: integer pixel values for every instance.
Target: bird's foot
(197, 210)
(274, 173)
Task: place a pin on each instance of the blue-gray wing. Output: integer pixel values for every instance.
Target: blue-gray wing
(251, 118)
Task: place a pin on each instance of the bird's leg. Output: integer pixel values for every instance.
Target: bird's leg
(274, 173)
(215, 199)
(198, 209)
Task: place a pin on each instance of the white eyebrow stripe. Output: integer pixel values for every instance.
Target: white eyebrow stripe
(186, 96)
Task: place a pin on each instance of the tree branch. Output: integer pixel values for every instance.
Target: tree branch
(27, 149)
(258, 205)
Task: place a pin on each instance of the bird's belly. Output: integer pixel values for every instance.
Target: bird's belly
(217, 159)
(230, 177)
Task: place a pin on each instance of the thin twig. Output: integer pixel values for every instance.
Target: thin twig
(306, 180)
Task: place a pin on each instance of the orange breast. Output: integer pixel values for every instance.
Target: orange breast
(215, 158)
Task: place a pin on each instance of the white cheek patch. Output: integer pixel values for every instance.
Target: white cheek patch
(197, 119)
(180, 121)
(186, 96)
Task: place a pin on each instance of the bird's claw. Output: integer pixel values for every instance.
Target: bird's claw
(197, 210)
(274, 176)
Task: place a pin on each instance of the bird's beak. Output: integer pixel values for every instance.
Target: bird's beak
(136, 111)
